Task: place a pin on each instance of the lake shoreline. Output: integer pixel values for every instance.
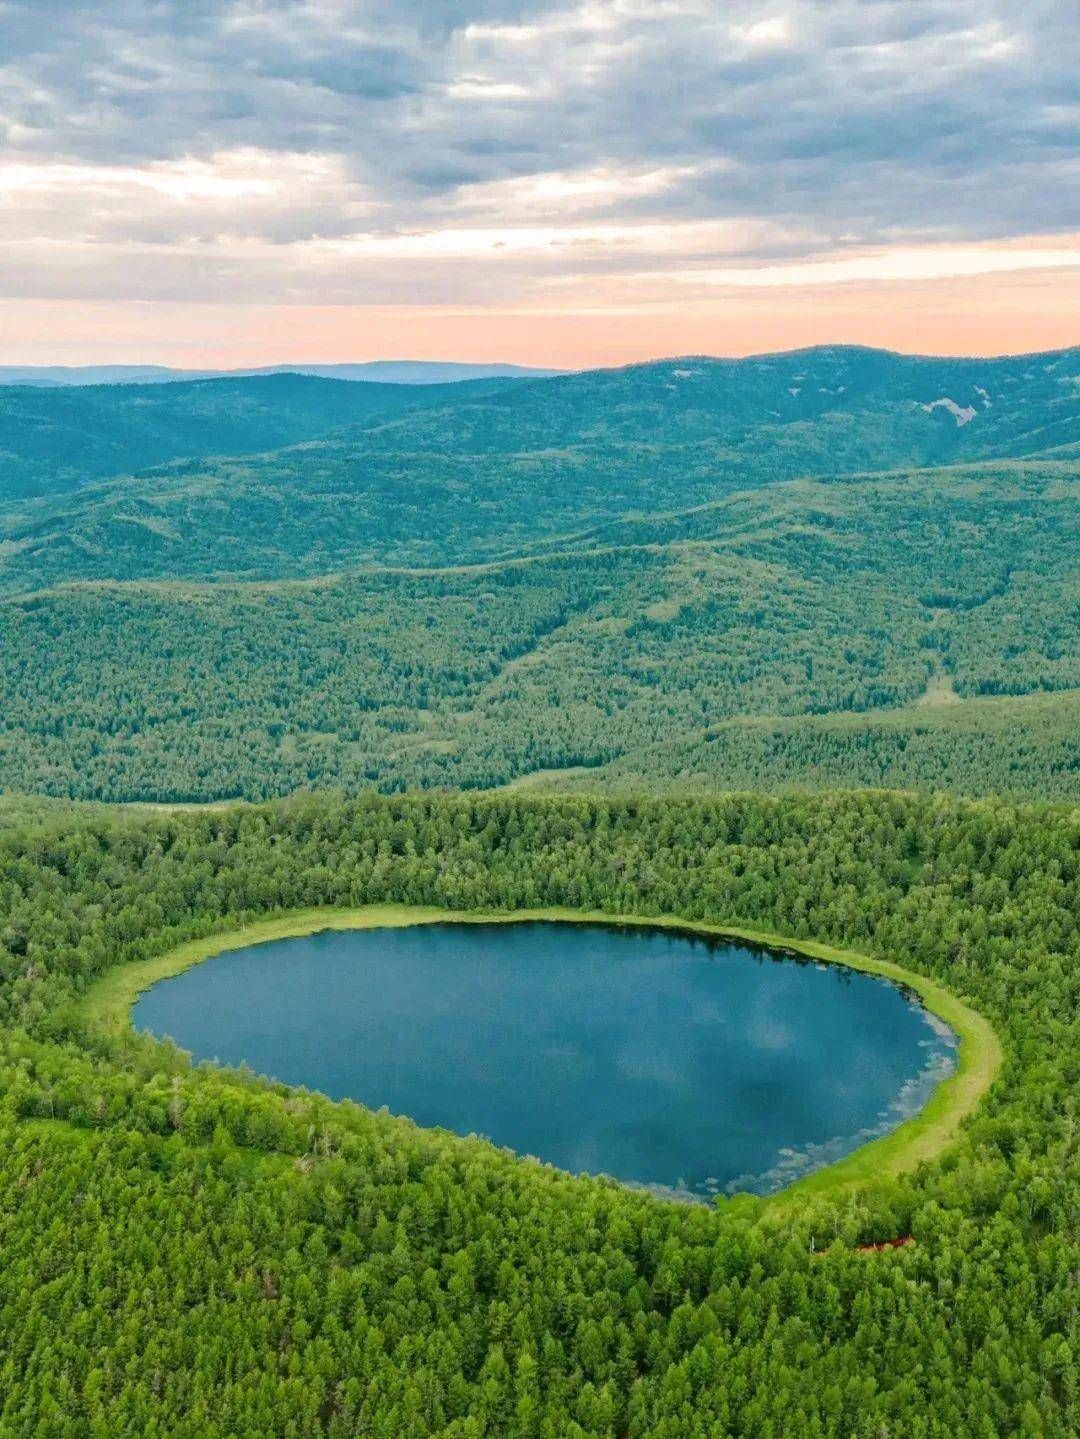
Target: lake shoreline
(107, 1008)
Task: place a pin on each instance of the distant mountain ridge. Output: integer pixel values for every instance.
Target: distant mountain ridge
(769, 572)
(285, 475)
(794, 632)
(53, 440)
(387, 372)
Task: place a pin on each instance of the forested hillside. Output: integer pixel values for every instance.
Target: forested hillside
(55, 440)
(1021, 746)
(478, 470)
(670, 578)
(911, 594)
(723, 572)
(837, 407)
(199, 1254)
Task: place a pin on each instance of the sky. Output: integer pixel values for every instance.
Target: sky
(241, 182)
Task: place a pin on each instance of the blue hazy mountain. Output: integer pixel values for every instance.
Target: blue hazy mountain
(387, 372)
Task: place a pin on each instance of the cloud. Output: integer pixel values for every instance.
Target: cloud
(444, 149)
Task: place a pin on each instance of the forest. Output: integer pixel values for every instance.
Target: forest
(862, 622)
(788, 645)
(539, 719)
(196, 1252)
(796, 570)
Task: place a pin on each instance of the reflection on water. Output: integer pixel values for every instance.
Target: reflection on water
(691, 1065)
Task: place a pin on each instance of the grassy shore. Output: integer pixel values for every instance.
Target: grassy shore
(107, 1007)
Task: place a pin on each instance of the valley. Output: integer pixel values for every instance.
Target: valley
(733, 629)
(539, 720)
(623, 731)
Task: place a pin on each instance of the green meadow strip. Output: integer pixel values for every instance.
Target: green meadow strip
(107, 1009)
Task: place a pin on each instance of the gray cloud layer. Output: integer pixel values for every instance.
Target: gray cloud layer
(810, 126)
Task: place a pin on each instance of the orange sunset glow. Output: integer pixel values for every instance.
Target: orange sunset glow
(553, 184)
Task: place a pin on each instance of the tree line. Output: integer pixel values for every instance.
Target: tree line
(195, 1252)
(801, 601)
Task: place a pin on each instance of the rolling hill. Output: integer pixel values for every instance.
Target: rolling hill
(843, 597)
(872, 408)
(724, 572)
(456, 474)
(55, 440)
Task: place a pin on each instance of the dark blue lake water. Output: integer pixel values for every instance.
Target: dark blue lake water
(674, 1061)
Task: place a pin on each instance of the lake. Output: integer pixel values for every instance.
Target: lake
(689, 1064)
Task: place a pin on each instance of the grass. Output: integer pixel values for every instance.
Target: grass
(536, 778)
(107, 1008)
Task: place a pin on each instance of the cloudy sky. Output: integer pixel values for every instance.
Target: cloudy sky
(246, 181)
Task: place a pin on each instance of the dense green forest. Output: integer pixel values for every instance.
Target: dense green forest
(335, 585)
(889, 602)
(840, 574)
(54, 441)
(1027, 746)
(494, 469)
(828, 408)
(197, 1253)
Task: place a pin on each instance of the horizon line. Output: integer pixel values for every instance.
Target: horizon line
(299, 366)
